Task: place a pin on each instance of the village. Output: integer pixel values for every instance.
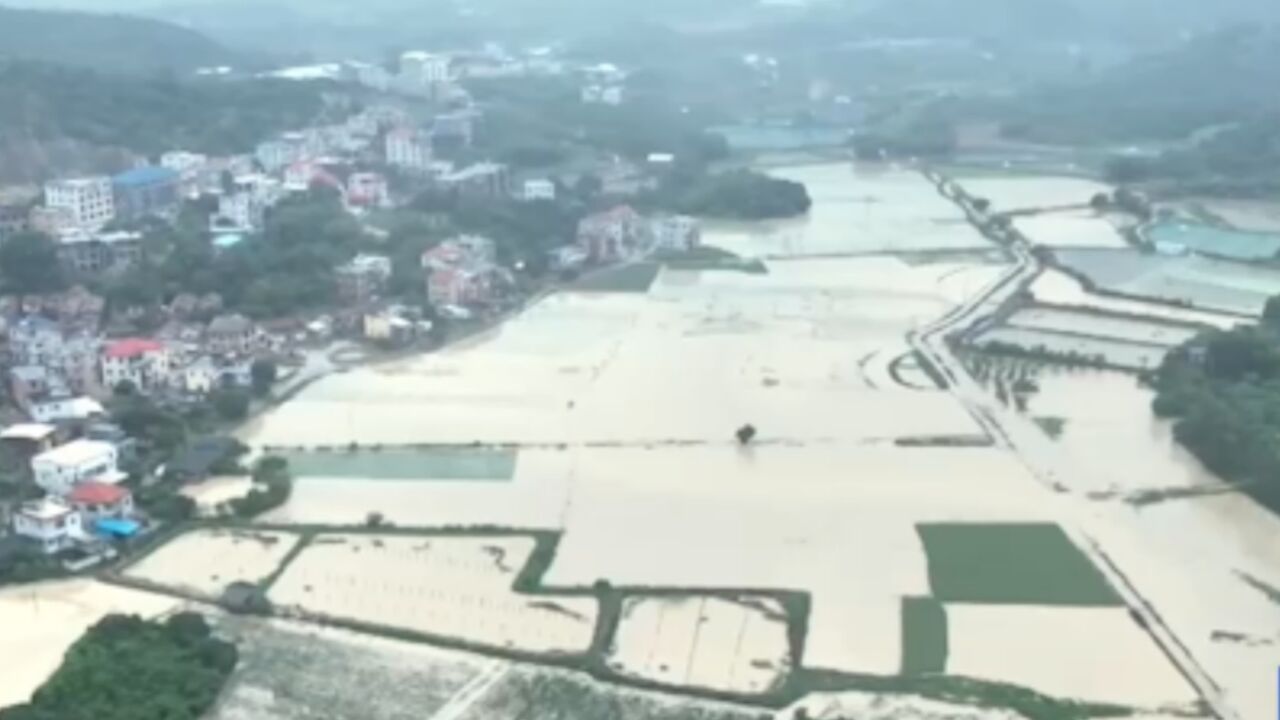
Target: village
(71, 359)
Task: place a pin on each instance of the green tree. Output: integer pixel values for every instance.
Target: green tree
(263, 373)
(29, 264)
(230, 404)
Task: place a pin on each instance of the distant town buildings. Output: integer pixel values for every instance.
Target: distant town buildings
(479, 180)
(146, 191)
(462, 271)
(363, 278)
(230, 334)
(142, 362)
(88, 203)
(423, 68)
(409, 150)
(613, 235)
(539, 189)
(368, 190)
(88, 254)
(675, 232)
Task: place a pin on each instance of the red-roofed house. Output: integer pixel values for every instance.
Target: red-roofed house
(462, 271)
(95, 500)
(144, 362)
(613, 235)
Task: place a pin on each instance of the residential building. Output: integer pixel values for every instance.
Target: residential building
(409, 150)
(65, 408)
(364, 277)
(275, 155)
(97, 501)
(675, 232)
(59, 470)
(29, 383)
(69, 356)
(32, 437)
(454, 130)
(49, 522)
(538, 189)
(480, 180)
(423, 68)
(90, 201)
(245, 206)
(613, 235)
(230, 334)
(387, 327)
(144, 363)
(52, 221)
(147, 192)
(462, 271)
(206, 374)
(84, 253)
(366, 189)
(602, 95)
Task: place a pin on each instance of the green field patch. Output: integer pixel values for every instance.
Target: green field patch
(924, 636)
(1011, 564)
(633, 278)
(707, 258)
(478, 464)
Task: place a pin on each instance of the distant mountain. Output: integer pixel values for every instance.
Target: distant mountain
(118, 44)
(1222, 77)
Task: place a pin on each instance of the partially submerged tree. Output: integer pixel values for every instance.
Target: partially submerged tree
(746, 434)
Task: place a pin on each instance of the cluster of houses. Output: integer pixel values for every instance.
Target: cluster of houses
(84, 501)
(621, 234)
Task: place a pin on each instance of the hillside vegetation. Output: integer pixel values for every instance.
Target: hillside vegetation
(45, 108)
(106, 43)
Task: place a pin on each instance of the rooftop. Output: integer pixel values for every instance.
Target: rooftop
(148, 175)
(95, 493)
(75, 452)
(132, 347)
(46, 508)
(28, 431)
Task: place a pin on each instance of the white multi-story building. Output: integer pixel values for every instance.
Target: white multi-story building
(50, 522)
(425, 68)
(409, 149)
(540, 189)
(675, 232)
(144, 363)
(90, 202)
(59, 470)
(275, 155)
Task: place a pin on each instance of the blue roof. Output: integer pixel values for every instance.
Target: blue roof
(149, 175)
(118, 528)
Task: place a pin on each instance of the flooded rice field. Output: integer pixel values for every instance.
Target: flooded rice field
(1194, 281)
(621, 411)
(1031, 192)
(1120, 341)
(1248, 215)
(1055, 287)
(1077, 228)
(1217, 241)
(856, 210)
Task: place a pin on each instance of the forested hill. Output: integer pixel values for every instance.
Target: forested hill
(1223, 77)
(118, 44)
(56, 119)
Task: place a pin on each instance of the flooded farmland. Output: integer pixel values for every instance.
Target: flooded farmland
(616, 413)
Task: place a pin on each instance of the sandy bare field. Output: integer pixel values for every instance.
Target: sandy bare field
(708, 642)
(39, 622)
(206, 561)
(449, 586)
(1098, 655)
